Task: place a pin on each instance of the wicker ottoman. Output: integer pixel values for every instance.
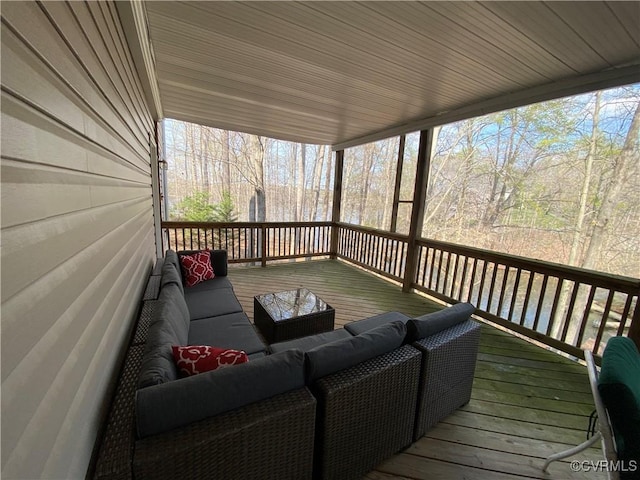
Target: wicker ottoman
(295, 313)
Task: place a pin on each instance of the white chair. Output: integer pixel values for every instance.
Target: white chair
(603, 426)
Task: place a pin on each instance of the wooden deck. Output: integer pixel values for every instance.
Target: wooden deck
(526, 403)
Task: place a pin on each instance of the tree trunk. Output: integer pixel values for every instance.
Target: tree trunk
(625, 166)
(226, 161)
(300, 170)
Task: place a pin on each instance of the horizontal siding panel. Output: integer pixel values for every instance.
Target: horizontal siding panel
(31, 136)
(97, 379)
(27, 77)
(127, 84)
(57, 365)
(32, 250)
(32, 192)
(49, 44)
(77, 228)
(92, 32)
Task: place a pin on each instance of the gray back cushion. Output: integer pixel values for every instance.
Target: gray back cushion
(219, 260)
(164, 407)
(169, 327)
(342, 354)
(171, 275)
(427, 325)
(171, 256)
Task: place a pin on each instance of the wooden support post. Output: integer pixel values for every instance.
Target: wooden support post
(417, 212)
(263, 245)
(396, 191)
(337, 200)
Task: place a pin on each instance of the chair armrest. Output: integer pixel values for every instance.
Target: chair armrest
(448, 367)
(366, 413)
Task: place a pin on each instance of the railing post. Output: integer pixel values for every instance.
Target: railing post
(337, 200)
(263, 246)
(634, 328)
(417, 211)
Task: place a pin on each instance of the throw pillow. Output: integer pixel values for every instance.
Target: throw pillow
(194, 359)
(196, 268)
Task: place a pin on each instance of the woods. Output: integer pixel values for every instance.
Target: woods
(556, 181)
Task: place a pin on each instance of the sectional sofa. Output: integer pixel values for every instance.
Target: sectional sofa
(332, 405)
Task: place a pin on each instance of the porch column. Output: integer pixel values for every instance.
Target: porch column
(156, 192)
(398, 184)
(337, 200)
(417, 211)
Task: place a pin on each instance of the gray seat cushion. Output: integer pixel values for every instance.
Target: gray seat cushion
(226, 331)
(210, 285)
(347, 352)
(427, 325)
(175, 404)
(361, 326)
(211, 303)
(307, 343)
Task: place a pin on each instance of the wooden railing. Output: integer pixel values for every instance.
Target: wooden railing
(251, 242)
(382, 252)
(564, 307)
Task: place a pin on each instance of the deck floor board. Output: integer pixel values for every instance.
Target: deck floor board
(527, 402)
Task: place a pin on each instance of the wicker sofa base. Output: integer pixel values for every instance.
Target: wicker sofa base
(245, 443)
(447, 373)
(365, 414)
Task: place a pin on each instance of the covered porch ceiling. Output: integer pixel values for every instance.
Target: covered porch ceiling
(345, 73)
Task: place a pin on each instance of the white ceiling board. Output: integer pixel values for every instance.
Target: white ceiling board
(336, 72)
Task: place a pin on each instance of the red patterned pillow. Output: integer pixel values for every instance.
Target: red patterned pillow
(194, 359)
(196, 267)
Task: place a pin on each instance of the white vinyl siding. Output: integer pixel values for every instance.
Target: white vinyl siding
(77, 227)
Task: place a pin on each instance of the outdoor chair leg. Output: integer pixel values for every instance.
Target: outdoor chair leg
(571, 451)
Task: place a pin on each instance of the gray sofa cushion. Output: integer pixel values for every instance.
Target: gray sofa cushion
(171, 256)
(307, 343)
(171, 405)
(361, 326)
(211, 303)
(169, 327)
(215, 283)
(226, 331)
(347, 352)
(171, 276)
(427, 325)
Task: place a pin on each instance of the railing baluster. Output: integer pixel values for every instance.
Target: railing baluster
(503, 289)
(425, 264)
(527, 297)
(543, 293)
(492, 286)
(554, 306)
(514, 295)
(585, 315)
(625, 315)
(481, 287)
(603, 322)
(454, 278)
(473, 280)
(569, 313)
